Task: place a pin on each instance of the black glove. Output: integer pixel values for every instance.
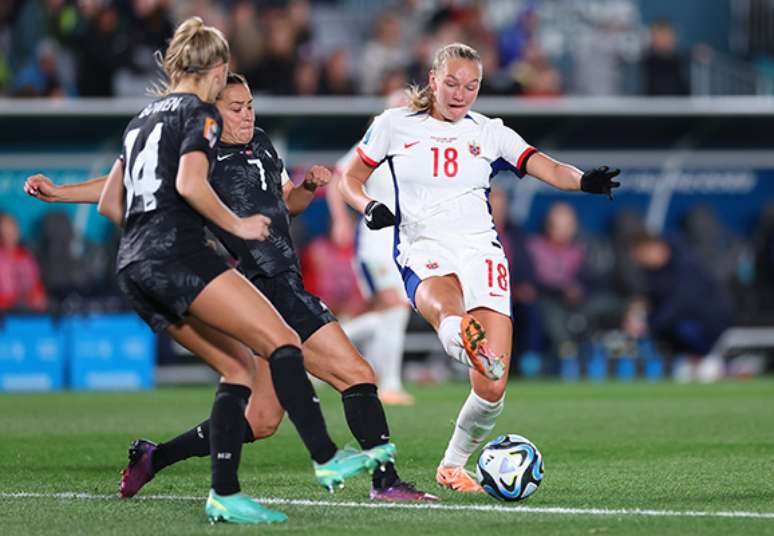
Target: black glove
(599, 181)
(378, 216)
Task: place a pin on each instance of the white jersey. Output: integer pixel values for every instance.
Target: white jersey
(441, 170)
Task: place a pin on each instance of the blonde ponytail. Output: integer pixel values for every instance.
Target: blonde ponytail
(421, 99)
(194, 49)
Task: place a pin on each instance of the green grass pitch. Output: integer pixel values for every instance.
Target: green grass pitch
(609, 449)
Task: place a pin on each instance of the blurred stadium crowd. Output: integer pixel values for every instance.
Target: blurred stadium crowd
(573, 291)
(91, 48)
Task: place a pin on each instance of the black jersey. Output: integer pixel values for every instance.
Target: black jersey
(159, 223)
(248, 178)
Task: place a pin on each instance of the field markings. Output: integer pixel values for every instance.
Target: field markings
(416, 506)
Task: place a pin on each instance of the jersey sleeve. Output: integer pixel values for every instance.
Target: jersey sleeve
(201, 131)
(374, 146)
(284, 177)
(513, 149)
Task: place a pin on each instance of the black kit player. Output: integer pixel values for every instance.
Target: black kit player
(158, 191)
(250, 178)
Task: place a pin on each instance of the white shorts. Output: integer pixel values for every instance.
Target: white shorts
(374, 265)
(479, 264)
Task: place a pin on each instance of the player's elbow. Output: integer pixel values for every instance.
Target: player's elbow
(110, 211)
(184, 186)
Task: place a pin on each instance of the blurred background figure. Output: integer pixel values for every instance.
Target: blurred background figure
(558, 256)
(21, 288)
(686, 308)
(663, 67)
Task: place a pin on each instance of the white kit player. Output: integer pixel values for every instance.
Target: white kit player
(441, 156)
(382, 330)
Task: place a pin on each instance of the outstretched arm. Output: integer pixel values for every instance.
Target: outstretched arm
(298, 198)
(569, 178)
(40, 187)
(112, 199)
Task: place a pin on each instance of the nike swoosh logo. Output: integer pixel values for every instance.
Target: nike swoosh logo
(224, 156)
(497, 295)
(409, 145)
(384, 437)
(315, 400)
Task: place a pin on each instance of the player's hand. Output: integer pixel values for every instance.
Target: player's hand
(253, 227)
(600, 181)
(317, 176)
(378, 216)
(41, 187)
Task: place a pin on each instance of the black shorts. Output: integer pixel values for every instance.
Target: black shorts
(302, 310)
(161, 291)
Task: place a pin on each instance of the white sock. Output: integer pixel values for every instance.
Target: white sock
(385, 349)
(474, 423)
(451, 340)
(361, 328)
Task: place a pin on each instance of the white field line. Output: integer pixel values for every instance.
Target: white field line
(415, 506)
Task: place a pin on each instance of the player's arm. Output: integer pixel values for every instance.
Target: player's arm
(352, 187)
(112, 197)
(298, 198)
(342, 229)
(192, 184)
(41, 187)
(569, 178)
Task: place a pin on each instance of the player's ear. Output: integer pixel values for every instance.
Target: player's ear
(432, 80)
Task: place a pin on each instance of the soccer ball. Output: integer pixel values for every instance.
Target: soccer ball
(510, 468)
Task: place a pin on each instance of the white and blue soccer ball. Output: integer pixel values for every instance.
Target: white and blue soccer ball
(510, 468)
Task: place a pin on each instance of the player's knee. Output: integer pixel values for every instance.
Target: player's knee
(238, 371)
(361, 372)
(284, 337)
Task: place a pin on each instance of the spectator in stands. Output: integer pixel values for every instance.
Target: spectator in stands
(383, 52)
(306, 78)
(274, 74)
(20, 285)
(245, 37)
(149, 29)
(99, 48)
(558, 258)
(535, 74)
(686, 307)
(336, 76)
(663, 67)
(496, 81)
(393, 80)
(41, 77)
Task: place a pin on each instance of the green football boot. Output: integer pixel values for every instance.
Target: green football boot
(240, 509)
(380, 455)
(348, 462)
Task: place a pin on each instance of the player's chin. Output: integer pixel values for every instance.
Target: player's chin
(457, 112)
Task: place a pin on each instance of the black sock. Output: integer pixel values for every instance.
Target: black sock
(227, 423)
(366, 420)
(193, 443)
(297, 396)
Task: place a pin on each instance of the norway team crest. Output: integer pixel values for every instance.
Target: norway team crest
(474, 148)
